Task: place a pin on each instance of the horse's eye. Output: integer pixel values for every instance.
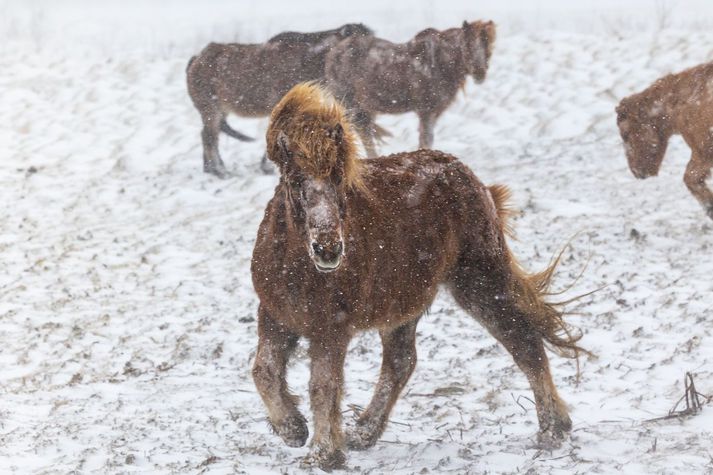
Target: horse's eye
(298, 188)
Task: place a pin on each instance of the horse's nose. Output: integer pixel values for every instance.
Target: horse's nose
(327, 252)
(327, 257)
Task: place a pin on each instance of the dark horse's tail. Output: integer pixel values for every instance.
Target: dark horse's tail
(532, 291)
(381, 133)
(234, 133)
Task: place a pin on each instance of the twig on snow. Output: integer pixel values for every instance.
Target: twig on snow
(694, 402)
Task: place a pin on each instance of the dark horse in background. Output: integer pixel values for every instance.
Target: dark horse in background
(373, 76)
(348, 245)
(249, 79)
(675, 104)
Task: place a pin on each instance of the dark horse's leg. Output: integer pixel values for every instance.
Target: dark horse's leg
(212, 163)
(398, 362)
(494, 305)
(325, 391)
(697, 172)
(274, 347)
(426, 122)
(265, 165)
(364, 123)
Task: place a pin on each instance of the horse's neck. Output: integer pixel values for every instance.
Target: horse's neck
(449, 59)
(666, 104)
(676, 95)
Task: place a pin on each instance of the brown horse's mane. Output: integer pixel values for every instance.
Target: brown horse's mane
(667, 89)
(308, 115)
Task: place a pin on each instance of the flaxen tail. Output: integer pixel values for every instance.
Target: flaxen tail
(532, 291)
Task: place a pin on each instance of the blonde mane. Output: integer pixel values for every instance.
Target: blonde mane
(308, 115)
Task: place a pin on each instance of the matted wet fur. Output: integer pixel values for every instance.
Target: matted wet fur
(249, 79)
(347, 245)
(675, 104)
(373, 76)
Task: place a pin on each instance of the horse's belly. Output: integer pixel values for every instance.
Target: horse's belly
(395, 311)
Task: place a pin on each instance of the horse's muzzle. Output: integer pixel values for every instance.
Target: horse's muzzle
(327, 258)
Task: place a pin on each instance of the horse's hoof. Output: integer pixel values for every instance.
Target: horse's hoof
(267, 168)
(217, 169)
(552, 435)
(293, 431)
(361, 437)
(324, 459)
(550, 440)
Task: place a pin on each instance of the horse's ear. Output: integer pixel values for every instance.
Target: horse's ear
(283, 147)
(620, 112)
(465, 25)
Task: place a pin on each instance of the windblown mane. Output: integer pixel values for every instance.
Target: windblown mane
(488, 28)
(308, 115)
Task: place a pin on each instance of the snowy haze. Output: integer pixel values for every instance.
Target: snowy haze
(127, 315)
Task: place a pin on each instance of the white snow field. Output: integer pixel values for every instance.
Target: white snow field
(127, 315)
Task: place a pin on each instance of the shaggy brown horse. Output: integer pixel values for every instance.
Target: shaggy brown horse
(249, 79)
(347, 245)
(373, 76)
(675, 104)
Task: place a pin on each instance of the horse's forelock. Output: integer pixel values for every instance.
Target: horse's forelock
(308, 115)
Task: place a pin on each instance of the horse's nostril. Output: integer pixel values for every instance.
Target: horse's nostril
(338, 248)
(317, 248)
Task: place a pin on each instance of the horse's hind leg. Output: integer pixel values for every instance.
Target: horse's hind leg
(398, 362)
(496, 310)
(697, 172)
(325, 391)
(212, 163)
(274, 348)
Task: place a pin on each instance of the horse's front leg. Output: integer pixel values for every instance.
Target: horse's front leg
(325, 391)
(365, 127)
(427, 121)
(398, 362)
(274, 347)
(697, 172)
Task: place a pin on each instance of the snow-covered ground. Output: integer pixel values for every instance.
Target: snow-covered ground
(127, 315)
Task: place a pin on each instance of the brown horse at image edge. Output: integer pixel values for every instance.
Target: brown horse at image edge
(348, 245)
(675, 104)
